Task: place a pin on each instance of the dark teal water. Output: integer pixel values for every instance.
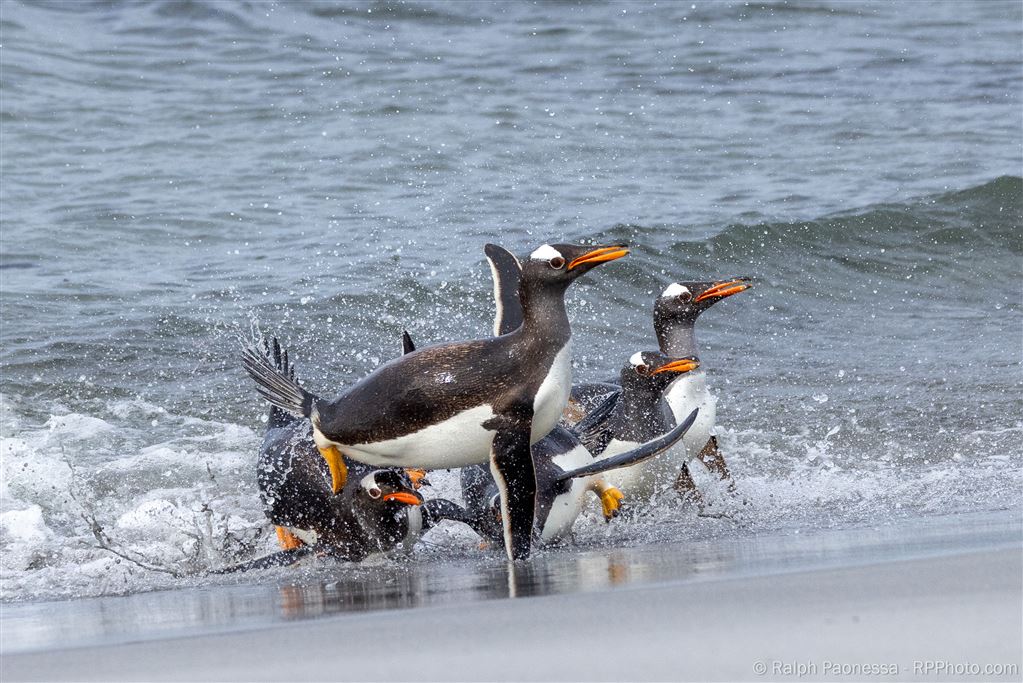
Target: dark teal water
(176, 174)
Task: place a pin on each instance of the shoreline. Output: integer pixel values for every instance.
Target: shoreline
(939, 592)
(952, 611)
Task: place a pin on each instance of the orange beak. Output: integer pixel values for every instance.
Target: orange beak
(403, 497)
(723, 289)
(599, 256)
(680, 365)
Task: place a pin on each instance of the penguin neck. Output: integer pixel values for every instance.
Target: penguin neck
(678, 339)
(544, 317)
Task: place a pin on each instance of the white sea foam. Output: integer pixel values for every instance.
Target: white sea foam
(169, 510)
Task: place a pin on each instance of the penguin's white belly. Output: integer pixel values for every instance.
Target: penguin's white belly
(552, 396)
(683, 395)
(637, 481)
(458, 441)
(567, 507)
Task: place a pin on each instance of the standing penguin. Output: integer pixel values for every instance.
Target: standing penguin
(675, 314)
(458, 404)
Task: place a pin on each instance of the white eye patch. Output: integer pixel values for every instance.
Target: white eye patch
(674, 289)
(369, 481)
(545, 253)
(637, 359)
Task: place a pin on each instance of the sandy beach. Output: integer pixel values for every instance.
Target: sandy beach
(948, 615)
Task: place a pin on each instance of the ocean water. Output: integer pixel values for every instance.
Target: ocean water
(177, 176)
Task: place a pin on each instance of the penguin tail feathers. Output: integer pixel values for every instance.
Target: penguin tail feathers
(275, 379)
(636, 455)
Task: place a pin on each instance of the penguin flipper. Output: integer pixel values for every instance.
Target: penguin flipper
(636, 455)
(284, 558)
(275, 383)
(594, 430)
(511, 463)
(407, 345)
(505, 269)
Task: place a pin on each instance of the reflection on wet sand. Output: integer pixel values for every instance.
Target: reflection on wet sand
(320, 587)
(405, 587)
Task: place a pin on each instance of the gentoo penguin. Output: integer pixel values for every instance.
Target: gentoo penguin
(565, 472)
(640, 414)
(675, 314)
(376, 511)
(451, 405)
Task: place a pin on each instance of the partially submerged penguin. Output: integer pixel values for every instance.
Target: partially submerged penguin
(565, 469)
(640, 414)
(565, 472)
(377, 510)
(458, 404)
(675, 314)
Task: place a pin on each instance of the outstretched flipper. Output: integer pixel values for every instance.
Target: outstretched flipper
(283, 558)
(511, 464)
(636, 455)
(506, 270)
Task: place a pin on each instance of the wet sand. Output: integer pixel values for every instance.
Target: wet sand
(958, 609)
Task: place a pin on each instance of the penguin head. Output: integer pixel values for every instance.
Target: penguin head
(387, 489)
(684, 301)
(652, 371)
(560, 264)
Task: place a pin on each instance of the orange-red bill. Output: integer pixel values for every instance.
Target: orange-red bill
(402, 497)
(680, 365)
(599, 256)
(723, 289)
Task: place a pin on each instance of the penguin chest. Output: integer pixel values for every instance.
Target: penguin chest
(637, 481)
(682, 396)
(458, 441)
(552, 396)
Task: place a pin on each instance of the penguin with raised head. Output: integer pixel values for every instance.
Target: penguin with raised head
(675, 314)
(457, 404)
(565, 470)
(565, 473)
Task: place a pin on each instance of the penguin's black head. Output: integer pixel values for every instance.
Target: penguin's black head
(560, 264)
(684, 301)
(652, 371)
(387, 489)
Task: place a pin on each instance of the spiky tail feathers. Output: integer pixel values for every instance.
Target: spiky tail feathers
(636, 455)
(275, 379)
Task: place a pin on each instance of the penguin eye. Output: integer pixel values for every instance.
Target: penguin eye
(642, 369)
(557, 263)
(374, 493)
(685, 297)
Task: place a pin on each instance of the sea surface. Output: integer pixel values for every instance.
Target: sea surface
(178, 177)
